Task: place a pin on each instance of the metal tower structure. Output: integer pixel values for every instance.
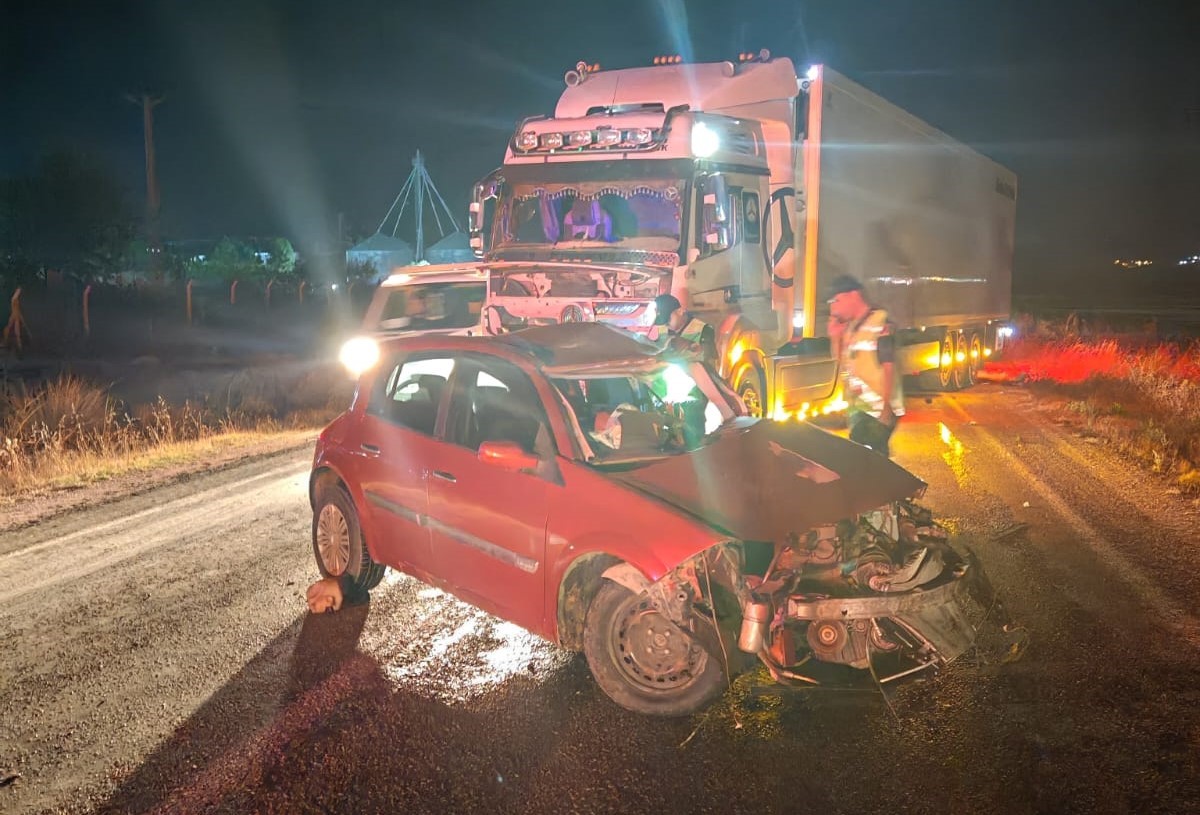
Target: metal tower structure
(418, 186)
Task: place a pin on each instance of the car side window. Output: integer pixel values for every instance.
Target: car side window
(409, 395)
(494, 400)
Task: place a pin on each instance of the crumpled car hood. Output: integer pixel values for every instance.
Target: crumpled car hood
(761, 480)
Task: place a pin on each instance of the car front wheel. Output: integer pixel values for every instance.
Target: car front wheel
(642, 660)
(338, 542)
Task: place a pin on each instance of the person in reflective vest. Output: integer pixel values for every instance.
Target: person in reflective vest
(864, 339)
(683, 331)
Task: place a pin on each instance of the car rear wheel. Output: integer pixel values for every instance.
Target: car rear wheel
(338, 543)
(642, 661)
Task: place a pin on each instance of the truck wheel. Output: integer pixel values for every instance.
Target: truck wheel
(752, 391)
(338, 543)
(642, 661)
(962, 362)
(974, 358)
(946, 364)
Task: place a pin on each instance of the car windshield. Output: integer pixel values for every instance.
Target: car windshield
(433, 306)
(638, 214)
(675, 408)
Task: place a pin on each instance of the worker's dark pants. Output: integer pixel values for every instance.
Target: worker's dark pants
(866, 429)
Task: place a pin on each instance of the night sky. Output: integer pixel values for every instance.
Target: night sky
(282, 113)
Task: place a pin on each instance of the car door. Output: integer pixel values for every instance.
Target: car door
(488, 523)
(398, 446)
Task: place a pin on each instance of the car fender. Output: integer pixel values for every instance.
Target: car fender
(628, 576)
(324, 465)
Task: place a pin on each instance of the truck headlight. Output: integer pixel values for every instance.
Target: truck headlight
(359, 354)
(705, 140)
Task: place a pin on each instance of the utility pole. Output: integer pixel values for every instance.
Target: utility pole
(153, 240)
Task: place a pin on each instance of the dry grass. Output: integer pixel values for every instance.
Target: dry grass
(69, 432)
(1145, 398)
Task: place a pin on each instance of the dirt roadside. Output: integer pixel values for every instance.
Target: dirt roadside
(212, 454)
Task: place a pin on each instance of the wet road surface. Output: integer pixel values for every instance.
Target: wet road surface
(156, 656)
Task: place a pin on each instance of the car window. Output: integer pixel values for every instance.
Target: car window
(430, 306)
(411, 392)
(494, 400)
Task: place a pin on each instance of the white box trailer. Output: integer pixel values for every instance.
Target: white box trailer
(925, 222)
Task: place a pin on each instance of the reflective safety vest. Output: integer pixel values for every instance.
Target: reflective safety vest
(694, 330)
(863, 373)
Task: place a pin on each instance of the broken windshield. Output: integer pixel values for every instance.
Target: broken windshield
(631, 214)
(673, 409)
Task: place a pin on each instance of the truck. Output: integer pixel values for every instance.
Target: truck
(743, 188)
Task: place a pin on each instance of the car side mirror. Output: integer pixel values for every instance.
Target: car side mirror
(508, 455)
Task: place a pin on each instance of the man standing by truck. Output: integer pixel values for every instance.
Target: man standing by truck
(864, 340)
(678, 326)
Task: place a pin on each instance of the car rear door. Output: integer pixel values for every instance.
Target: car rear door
(398, 447)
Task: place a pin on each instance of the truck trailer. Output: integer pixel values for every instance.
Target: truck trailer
(744, 188)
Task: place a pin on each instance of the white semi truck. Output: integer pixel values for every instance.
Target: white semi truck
(743, 188)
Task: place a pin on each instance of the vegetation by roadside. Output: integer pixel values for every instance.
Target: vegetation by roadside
(69, 433)
(1141, 397)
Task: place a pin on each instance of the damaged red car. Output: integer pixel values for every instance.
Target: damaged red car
(615, 499)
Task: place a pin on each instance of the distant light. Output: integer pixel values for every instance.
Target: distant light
(798, 318)
(705, 140)
(334, 286)
(814, 71)
(1007, 331)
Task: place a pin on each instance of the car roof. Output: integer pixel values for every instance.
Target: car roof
(556, 349)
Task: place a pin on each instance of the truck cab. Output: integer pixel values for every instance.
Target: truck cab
(713, 182)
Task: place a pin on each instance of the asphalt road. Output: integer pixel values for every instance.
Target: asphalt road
(156, 656)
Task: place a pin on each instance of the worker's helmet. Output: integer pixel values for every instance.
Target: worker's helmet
(664, 305)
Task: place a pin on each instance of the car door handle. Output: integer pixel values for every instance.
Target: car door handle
(370, 449)
(445, 476)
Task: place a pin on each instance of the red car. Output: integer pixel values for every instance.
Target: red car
(617, 500)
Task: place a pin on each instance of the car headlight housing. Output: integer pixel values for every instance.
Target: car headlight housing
(359, 355)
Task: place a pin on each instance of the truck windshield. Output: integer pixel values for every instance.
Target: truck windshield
(433, 306)
(642, 214)
(674, 409)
